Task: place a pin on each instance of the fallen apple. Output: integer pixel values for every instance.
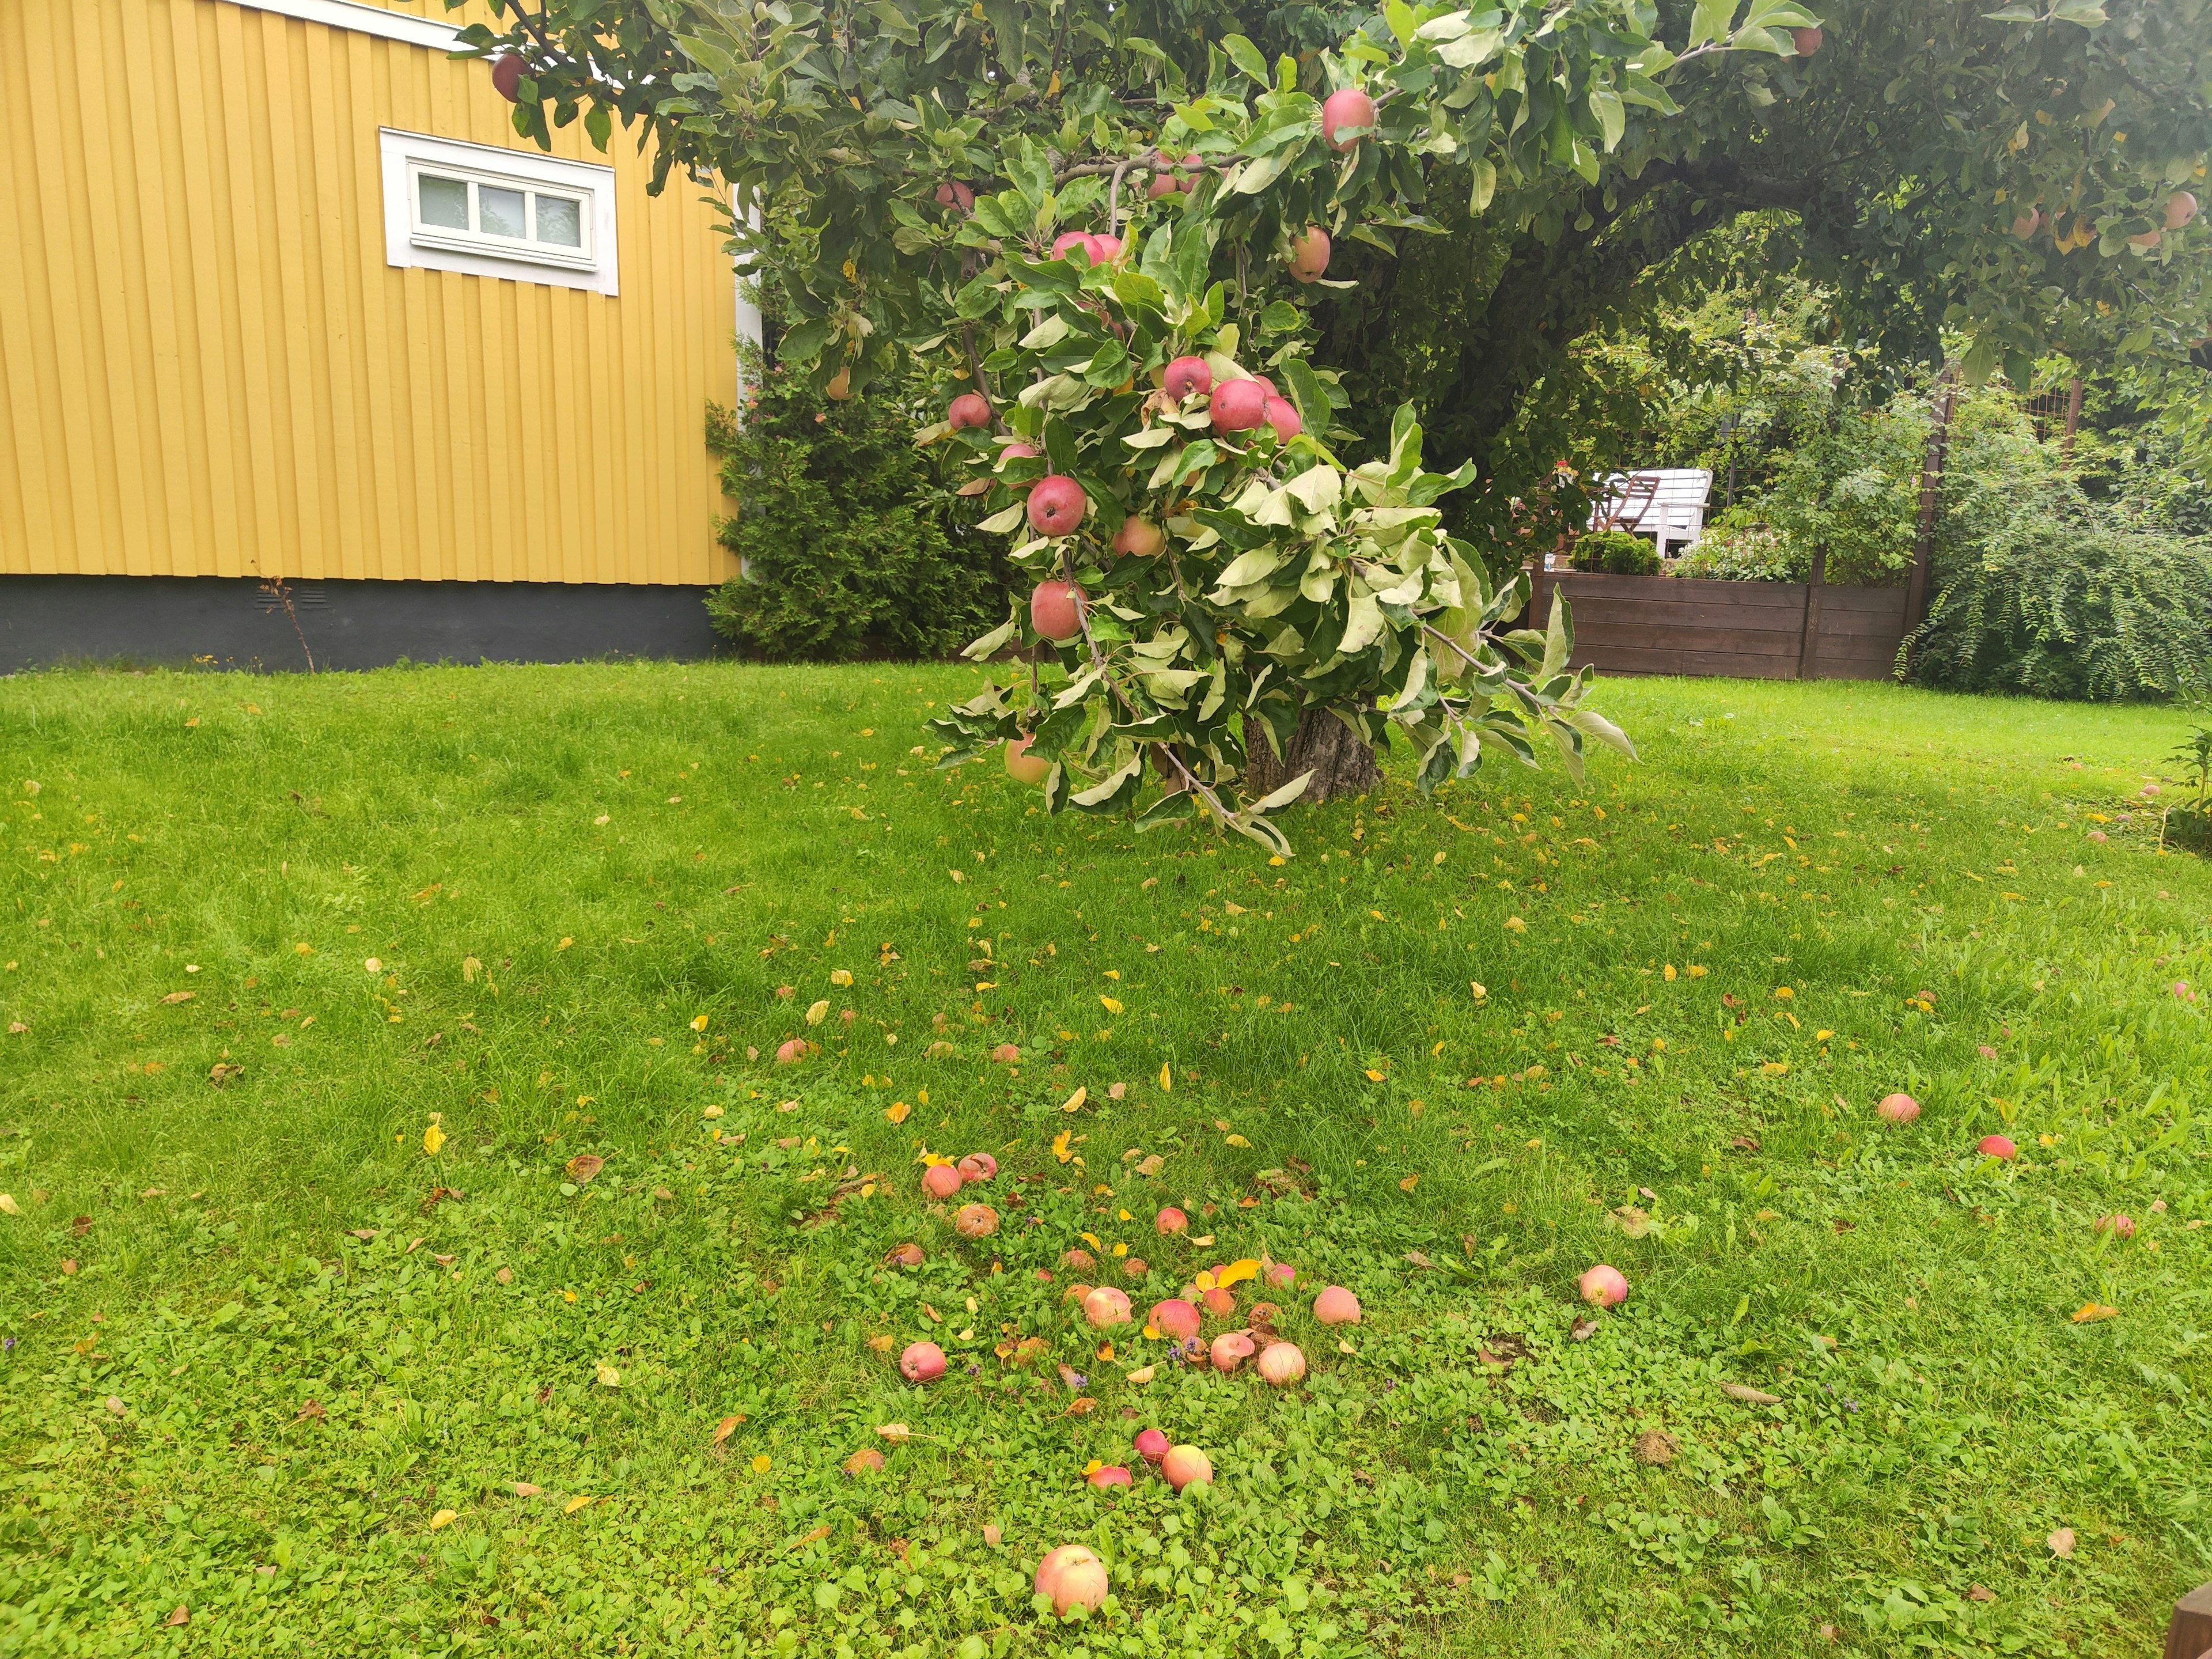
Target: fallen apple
(1997, 1147)
(1898, 1109)
(1112, 1474)
(1280, 1276)
(1151, 1445)
(1170, 1220)
(1348, 107)
(1080, 1261)
(1006, 1054)
(793, 1049)
(1231, 1349)
(1337, 1306)
(1056, 1567)
(1175, 1319)
(905, 1256)
(975, 1221)
(969, 409)
(1184, 1466)
(1106, 1306)
(867, 1461)
(940, 1181)
(2119, 1226)
(1219, 1301)
(1021, 766)
(922, 1362)
(978, 1166)
(1281, 1364)
(1057, 505)
(1603, 1286)
(1134, 1266)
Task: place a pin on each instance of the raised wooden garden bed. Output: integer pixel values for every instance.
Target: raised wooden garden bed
(1745, 630)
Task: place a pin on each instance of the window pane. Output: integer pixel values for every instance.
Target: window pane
(445, 202)
(499, 212)
(560, 222)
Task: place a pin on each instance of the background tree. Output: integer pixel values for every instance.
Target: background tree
(1499, 177)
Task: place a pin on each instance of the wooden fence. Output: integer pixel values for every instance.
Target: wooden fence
(1744, 631)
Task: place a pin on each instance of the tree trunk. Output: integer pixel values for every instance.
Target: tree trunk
(1342, 764)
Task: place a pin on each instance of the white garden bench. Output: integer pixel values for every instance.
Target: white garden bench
(1667, 503)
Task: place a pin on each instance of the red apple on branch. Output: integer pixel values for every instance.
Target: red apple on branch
(1238, 405)
(1054, 611)
(1310, 254)
(969, 409)
(1807, 40)
(1186, 376)
(1141, 536)
(1350, 108)
(507, 72)
(1057, 506)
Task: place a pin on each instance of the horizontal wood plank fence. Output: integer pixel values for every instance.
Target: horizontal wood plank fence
(1742, 630)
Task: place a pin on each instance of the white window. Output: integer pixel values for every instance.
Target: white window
(492, 212)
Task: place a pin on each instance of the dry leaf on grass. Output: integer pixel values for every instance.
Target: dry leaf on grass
(1750, 1396)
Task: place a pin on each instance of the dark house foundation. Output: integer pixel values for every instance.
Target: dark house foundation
(226, 622)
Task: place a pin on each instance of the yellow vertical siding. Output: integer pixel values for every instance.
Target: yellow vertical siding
(207, 368)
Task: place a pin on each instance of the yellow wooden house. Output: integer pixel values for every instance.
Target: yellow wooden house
(284, 296)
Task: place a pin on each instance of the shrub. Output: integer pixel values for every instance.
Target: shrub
(1737, 547)
(1616, 552)
(2066, 606)
(848, 548)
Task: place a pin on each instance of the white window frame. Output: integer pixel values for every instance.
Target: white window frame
(409, 243)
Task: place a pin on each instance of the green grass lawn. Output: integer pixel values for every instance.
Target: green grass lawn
(285, 1371)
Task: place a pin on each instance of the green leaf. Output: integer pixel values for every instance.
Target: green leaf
(2086, 12)
(1275, 800)
(1710, 21)
(1246, 56)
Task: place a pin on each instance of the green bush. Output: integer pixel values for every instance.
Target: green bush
(848, 549)
(1737, 547)
(2064, 606)
(1617, 553)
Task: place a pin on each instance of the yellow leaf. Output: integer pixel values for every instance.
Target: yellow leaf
(1237, 1271)
(699, 1023)
(896, 1111)
(1409, 1184)
(433, 1138)
(608, 1376)
(1110, 1006)
(1075, 1102)
(1345, 1347)
(1238, 1141)
(1695, 972)
(1775, 1067)
(1167, 1082)
(1515, 925)
(2089, 1311)
(1475, 986)
(1060, 1148)
(897, 1433)
(761, 1464)
(1095, 1464)
(818, 1013)
(1782, 993)
(1142, 1373)
(1669, 972)
(841, 976)
(1204, 1278)
(564, 944)
(524, 1488)
(573, 1505)
(444, 1518)
(723, 1429)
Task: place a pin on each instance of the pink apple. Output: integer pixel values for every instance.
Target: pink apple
(1053, 610)
(1175, 1319)
(1068, 240)
(1238, 405)
(1186, 376)
(1807, 40)
(1141, 536)
(905, 1256)
(1350, 108)
(1997, 1147)
(1282, 416)
(978, 1166)
(1164, 184)
(2029, 220)
(1106, 1307)
(969, 409)
(1021, 766)
(1310, 254)
(1113, 1474)
(1006, 1054)
(1218, 1302)
(922, 1362)
(1185, 1465)
(954, 194)
(1281, 1364)
(1070, 1565)
(507, 72)
(2120, 1227)
(940, 1179)
(792, 1049)
(1057, 505)
(1151, 1445)
(1170, 1220)
(1231, 1349)
(1898, 1109)
(1337, 1306)
(1603, 1286)
(2180, 209)
(1103, 250)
